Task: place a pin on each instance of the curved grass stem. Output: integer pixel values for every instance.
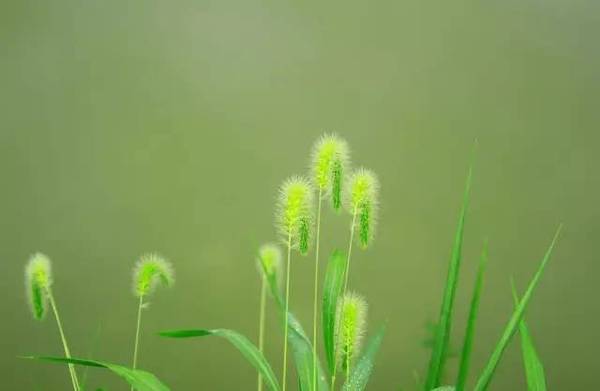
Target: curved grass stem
(316, 294)
(72, 371)
(137, 333)
(287, 302)
(261, 325)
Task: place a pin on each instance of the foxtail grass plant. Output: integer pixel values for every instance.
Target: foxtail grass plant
(294, 220)
(362, 201)
(269, 266)
(353, 324)
(329, 165)
(343, 313)
(38, 280)
(150, 271)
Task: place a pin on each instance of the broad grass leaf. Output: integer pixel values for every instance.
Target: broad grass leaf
(138, 379)
(248, 350)
(300, 345)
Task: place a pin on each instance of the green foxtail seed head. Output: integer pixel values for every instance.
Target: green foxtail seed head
(38, 278)
(362, 198)
(269, 260)
(330, 159)
(149, 271)
(353, 323)
(295, 212)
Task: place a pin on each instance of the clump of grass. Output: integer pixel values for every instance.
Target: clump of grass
(150, 271)
(343, 313)
(38, 281)
(294, 220)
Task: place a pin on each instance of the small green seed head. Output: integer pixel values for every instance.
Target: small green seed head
(149, 271)
(38, 279)
(353, 324)
(295, 213)
(330, 160)
(362, 195)
(269, 260)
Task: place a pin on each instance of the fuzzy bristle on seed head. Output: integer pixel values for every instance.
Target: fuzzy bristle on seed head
(294, 216)
(38, 279)
(330, 159)
(352, 316)
(149, 271)
(269, 260)
(362, 199)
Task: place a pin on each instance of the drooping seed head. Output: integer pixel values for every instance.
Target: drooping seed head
(362, 195)
(38, 279)
(269, 260)
(149, 271)
(330, 159)
(295, 213)
(353, 323)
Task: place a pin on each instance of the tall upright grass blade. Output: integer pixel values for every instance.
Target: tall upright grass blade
(490, 368)
(364, 366)
(302, 353)
(465, 358)
(138, 379)
(442, 337)
(534, 369)
(248, 350)
(332, 289)
(301, 346)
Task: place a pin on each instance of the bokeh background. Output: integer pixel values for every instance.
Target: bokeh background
(134, 126)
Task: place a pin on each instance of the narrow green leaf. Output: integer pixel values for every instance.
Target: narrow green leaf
(250, 352)
(442, 337)
(364, 366)
(332, 289)
(490, 368)
(138, 379)
(444, 388)
(534, 369)
(300, 344)
(470, 330)
(303, 356)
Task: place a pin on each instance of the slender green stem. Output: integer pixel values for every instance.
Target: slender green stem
(345, 286)
(72, 371)
(287, 302)
(261, 324)
(316, 295)
(137, 333)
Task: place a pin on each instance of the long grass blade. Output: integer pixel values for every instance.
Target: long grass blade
(248, 350)
(138, 379)
(470, 330)
(442, 337)
(364, 366)
(534, 369)
(332, 289)
(301, 346)
(490, 368)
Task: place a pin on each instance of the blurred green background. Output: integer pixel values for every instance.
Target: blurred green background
(134, 126)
